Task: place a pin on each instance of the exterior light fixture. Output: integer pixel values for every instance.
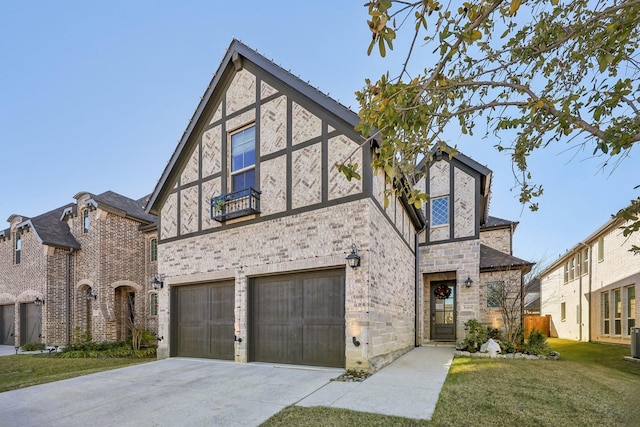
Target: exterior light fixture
(91, 295)
(38, 301)
(353, 259)
(468, 282)
(355, 342)
(157, 283)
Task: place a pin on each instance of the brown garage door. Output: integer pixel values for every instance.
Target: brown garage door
(30, 324)
(7, 313)
(298, 319)
(202, 320)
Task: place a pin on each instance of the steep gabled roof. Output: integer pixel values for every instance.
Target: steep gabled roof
(50, 230)
(494, 260)
(236, 54)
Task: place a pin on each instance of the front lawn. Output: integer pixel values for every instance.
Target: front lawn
(591, 385)
(24, 370)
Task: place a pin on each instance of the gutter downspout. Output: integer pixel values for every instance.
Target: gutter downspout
(68, 290)
(416, 252)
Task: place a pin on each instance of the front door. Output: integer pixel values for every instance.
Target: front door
(443, 310)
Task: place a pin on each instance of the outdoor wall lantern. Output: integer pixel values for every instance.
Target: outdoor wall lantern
(157, 283)
(353, 259)
(91, 295)
(355, 342)
(468, 282)
(38, 301)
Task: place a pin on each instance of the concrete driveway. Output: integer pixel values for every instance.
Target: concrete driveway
(169, 392)
(199, 392)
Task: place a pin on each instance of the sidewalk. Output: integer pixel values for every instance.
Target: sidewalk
(409, 387)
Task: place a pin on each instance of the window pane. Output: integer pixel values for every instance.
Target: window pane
(243, 149)
(617, 303)
(494, 295)
(440, 211)
(243, 180)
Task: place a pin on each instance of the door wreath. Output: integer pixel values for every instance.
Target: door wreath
(442, 292)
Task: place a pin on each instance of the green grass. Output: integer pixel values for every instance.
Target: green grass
(24, 370)
(591, 385)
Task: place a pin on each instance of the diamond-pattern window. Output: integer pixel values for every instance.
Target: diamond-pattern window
(440, 211)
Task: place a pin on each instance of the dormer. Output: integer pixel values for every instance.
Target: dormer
(459, 190)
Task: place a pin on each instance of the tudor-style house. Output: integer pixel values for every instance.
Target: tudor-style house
(590, 291)
(81, 271)
(267, 253)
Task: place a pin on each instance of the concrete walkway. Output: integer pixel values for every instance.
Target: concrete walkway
(409, 387)
(197, 392)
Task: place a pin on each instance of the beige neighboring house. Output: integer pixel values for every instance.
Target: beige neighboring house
(590, 291)
(257, 230)
(82, 270)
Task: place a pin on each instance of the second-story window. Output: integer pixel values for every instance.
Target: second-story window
(18, 247)
(153, 249)
(601, 249)
(440, 211)
(85, 221)
(243, 159)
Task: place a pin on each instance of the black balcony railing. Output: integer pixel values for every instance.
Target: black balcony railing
(236, 204)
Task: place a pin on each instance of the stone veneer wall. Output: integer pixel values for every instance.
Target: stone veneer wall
(498, 239)
(379, 297)
(493, 316)
(463, 258)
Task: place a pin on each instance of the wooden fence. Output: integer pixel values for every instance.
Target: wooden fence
(540, 323)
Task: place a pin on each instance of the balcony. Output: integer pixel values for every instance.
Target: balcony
(235, 205)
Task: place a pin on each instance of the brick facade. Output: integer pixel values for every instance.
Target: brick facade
(61, 262)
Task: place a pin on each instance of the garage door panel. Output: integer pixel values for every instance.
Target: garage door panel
(192, 342)
(323, 299)
(298, 319)
(329, 338)
(278, 343)
(279, 300)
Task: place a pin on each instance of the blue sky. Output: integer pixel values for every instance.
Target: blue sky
(95, 95)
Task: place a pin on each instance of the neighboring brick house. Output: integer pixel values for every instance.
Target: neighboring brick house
(256, 225)
(464, 249)
(590, 291)
(82, 270)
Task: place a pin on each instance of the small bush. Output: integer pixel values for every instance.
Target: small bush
(33, 347)
(477, 335)
(536, 344)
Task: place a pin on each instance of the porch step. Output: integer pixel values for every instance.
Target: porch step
(448, 344)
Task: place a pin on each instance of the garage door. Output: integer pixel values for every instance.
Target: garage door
(202, 320)
(298, 319)
(30, 324)
(6, 324)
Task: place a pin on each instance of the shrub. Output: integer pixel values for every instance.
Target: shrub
(536, 344)
(33, 347)
(477, 335)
